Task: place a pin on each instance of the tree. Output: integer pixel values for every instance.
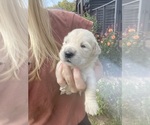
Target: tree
(66, 5)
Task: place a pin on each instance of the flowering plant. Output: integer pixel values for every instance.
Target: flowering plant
(107, 41)
(129, 45)
(109, 45)
(133, 46)
(131, 41)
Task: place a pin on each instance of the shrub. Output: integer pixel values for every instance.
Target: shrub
(94, 20)
(109, 46)
(131, 42)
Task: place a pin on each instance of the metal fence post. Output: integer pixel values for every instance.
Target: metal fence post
(139, 16)
(115, 15)
(103, 27)
(118, 20)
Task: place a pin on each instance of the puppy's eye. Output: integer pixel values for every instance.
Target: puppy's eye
(83, 46)
(66, 41)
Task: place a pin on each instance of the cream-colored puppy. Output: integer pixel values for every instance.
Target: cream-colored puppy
(80, 49)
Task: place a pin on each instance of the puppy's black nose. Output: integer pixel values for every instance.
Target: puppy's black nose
(69, 54)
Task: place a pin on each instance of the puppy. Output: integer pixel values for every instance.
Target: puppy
(80, 49)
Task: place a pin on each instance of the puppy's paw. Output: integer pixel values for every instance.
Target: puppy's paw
(91, 107)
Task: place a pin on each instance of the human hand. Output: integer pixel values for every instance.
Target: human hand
(70, 80)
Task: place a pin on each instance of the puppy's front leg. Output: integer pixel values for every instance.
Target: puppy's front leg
(91, 106)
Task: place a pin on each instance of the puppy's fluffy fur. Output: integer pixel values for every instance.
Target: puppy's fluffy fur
(80, 49)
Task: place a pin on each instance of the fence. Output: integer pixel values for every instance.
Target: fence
(121, 14)
(109, 15)
(131, 14)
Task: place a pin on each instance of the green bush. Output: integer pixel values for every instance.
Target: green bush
(110, 96)
(110, 46)
(123, 101)
(109, 101)
(94, 20)
(133, 47)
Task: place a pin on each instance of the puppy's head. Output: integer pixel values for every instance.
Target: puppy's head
(79, 48)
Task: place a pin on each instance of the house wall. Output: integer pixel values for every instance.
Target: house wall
(96, 3)
(92, 5)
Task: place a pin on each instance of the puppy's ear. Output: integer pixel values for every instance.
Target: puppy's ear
(96, 49)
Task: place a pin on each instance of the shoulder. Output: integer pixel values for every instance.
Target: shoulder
(60, 14)
(59, 11)
(62, 22)
(71, 19)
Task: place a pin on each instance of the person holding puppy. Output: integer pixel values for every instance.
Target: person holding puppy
(47, 28)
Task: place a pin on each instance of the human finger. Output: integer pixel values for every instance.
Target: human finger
(68, 76)
(59, 77)
(79, 82)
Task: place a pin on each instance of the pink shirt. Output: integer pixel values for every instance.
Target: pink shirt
(13, 95)
(46, 105)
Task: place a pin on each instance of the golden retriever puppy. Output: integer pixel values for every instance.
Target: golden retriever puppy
(80, 49)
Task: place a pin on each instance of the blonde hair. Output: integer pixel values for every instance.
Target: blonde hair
(42, 44)
(13, 28)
